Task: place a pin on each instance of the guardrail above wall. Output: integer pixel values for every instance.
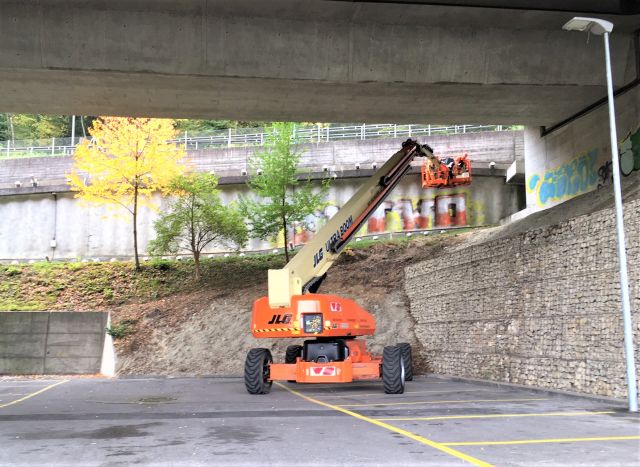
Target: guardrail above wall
(243, 137)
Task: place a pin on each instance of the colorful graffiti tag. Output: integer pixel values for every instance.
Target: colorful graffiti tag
(630, 153)
(566, 181)
(583, 174)
(437, 209)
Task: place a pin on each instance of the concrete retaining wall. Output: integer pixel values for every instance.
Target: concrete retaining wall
(30, 222)
(568, 162)
(31, 219)
(501, 147)
(541, 308)
(51, 342)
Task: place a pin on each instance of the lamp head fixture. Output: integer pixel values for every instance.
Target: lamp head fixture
(593, 25)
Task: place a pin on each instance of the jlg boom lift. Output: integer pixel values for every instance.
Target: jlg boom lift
(331, 324)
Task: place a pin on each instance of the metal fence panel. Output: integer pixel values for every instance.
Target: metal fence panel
(247, 137)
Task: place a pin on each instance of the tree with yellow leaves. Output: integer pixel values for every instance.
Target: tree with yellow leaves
(126, 161)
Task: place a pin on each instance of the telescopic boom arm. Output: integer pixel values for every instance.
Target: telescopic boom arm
(308, 267)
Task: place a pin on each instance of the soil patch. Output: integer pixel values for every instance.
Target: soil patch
(207, 332)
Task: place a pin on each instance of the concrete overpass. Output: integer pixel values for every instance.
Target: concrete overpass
(479, 61)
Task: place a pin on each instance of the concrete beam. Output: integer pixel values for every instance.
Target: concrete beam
(317, 61)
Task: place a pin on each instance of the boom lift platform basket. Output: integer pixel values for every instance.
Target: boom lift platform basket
(446, 171)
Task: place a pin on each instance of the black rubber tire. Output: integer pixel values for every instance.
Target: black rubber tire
(256, 371)
(392, 370)
(408, 360)
(290, 356)
(292, 353)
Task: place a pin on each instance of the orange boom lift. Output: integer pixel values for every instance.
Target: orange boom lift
(332, 352)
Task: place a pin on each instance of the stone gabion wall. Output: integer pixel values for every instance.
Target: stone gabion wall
(540, 308)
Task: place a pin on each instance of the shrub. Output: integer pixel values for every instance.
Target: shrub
(161, 264)
(122, 329)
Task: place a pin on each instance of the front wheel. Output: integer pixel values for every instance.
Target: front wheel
(392, 370)
(256, 371)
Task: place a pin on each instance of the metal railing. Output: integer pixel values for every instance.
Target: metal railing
(245, 137)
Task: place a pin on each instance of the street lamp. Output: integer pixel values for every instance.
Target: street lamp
(602, 27)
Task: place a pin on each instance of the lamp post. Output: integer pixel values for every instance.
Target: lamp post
(602, 27)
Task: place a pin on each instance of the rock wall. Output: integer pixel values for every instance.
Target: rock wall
(541, 308)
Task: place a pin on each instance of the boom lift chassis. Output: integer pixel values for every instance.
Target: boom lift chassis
(331, 354)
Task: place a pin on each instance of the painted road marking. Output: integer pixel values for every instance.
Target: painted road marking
(467, 401)
(542, 441)
(29, 396)
(382, 394)
(328, 392)
(408, 434)
(501, 415)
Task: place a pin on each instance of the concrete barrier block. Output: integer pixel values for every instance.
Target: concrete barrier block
(21, 366)
(72, 365)
(74, 345)
(23, 322)
(22, 345)
(76, 323)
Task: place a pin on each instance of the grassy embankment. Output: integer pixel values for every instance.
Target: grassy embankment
(98, 286)
(95, 286)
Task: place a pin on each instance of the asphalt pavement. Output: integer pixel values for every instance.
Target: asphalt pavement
(213, 421)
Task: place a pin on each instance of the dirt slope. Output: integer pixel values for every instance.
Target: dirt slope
(207, 332)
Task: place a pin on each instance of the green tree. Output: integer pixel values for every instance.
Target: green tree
(284, 198)
(207, 126)
(196, 219)
(30, 126)
(35, 126)
(5, 127)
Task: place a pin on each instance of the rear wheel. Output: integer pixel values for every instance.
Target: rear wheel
(392, 370)
(408, 360)
(291, 355)
(256, 371)
(293, 352)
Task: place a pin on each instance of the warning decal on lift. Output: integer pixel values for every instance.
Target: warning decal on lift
(323, 371)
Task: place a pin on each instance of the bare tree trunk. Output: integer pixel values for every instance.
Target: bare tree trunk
(13, 133)
(196, 260)
(286, 239)
(135, 226)
(194, 247)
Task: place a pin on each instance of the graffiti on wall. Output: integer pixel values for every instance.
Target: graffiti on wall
(573, 178)
(630, 153)
(583, 173)
(437, 209)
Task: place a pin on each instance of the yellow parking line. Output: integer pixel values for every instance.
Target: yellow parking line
(327, 390)
(542, 441)
(382, 394)
(445, 402)
(501, 415)
(29, 396)
(408, 434)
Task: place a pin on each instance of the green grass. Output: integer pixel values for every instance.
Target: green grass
(86, 286)
(72, 285)
(403, 239)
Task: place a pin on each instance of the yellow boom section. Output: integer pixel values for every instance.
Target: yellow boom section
(310, 264)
